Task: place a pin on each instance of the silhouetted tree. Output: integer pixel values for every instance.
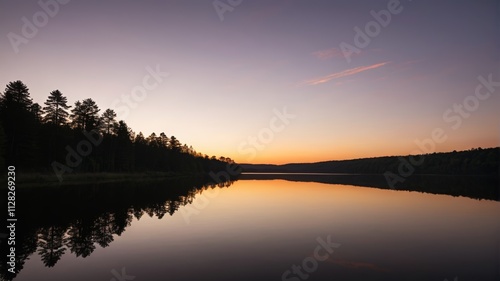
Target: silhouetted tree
(80, 238)
(174, 144)
(16, 97)
(103, 230)
(19, 124)
(124, 147)
(139, 139)
(109, 122)
(51, 243)
(77, 116)
(55, 109)
(164, 140)
(37, 112)
(152, 140)
(123, 131)
(85, 115)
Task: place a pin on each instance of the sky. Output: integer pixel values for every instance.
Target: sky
(270, 81)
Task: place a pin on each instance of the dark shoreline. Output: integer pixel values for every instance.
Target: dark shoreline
(47, 179)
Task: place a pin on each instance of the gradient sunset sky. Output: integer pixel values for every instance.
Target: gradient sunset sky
(229, 73)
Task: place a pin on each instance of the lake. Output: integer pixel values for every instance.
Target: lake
(260, 227)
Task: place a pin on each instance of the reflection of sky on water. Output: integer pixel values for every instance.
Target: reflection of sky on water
(258, 229)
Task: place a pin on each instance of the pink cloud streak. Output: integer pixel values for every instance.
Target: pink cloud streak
(343, 73)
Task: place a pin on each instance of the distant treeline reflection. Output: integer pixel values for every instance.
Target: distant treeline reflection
(76, 219)
(476, 187)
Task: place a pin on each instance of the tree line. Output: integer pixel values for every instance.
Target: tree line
(56, 137)
(476, 161)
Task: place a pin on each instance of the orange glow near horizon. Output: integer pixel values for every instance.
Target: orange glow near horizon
(295, 156)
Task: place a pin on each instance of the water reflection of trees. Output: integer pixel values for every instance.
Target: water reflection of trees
(476, 187)
(51, 244)
(79, 219)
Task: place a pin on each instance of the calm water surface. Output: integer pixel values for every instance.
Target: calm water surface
(267, 229)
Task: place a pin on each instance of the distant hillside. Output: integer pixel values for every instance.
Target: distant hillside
(476, 161)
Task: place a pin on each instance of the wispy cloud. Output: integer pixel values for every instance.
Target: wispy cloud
(328, 53)
(344, 73)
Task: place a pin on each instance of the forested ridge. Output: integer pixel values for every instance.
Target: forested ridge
(82, 138)
(476, 161)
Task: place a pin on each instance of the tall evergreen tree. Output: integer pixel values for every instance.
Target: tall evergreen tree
(37, 112)
(175, 145)
(51, 244)
(85, 115)
(139, 139)
(16, 97)
(123, 131)
(164, 140)
(77, 116)
(153, 140)
(125, 149)
(19, 123)
(55, 110)
(109, 121)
